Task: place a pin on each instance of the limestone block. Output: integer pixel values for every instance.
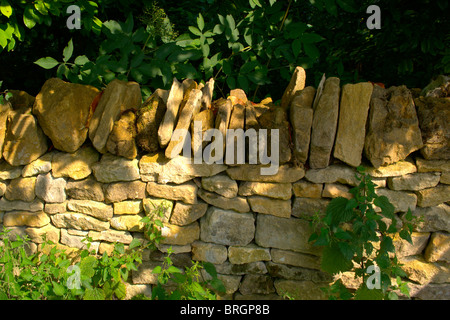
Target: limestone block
(238, 204)
(414, 181)
(248, 254)
(433, 196)
(119, 191)
(50, 189)
(78, 221)
(86, 189)
(76, 166)
(268, 189)
(168, 123)
(113, 169)
(21, 189)
(227, 227)
(221, 184)
(24, 218)
(209, 252)
(438, 249)
(184, 214)
(186, 192)
(275, 207)
(351, 132)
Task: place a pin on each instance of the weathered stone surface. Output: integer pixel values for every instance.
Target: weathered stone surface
(430, 291)
(86, 189)
(204, 121)
(401, 200)
(433, 196)
(52, 208)
(399, 168)
(207, 94)
(438, 249)
(21, 189)
(434, 218)
(118, 97)
(209, 252)
(184, 214)
(258, 267)
(37, 234)
(227, 227)
(24, 218)
(419, 241)
(162, 208)
(305, 189)
(288, 234)
(308, 207)
(63, 111)
(434, 117)
(223, 116)
(251, 122)
(36, 205)
(112, 169)
(2, 188)
(149, 118)
(78, 221)
(295, 259)
(119, 191)
(432, 165)
(414, 181)
(121, 140)
(296, 84)
(334, 173)
(276, 118)
(301, 117)
(221, 184)
(424, 272)
(50, 189)
(238, 204)
(351, 132)
(324, 124)
(21, 99)
(334, 190)
(180, 235)
(393, 129)
(38, 166)
(127, 223)
(248, 254)
(235, 152)
(128, 207)
(191, 108)
(445, 178)
(157, 168)
(251, 172)
(75, 240)
(268, 189)
(111, 236)
(240, 95)
(295, 273)
(256, 284)
(133, 290)
(275, 207)
(95, 209)
(5, 109)
(167, 125)
(76, 166)
(301, 290)
(24, 140)
(186, 192)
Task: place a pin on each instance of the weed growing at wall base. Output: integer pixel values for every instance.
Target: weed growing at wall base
(356, 237)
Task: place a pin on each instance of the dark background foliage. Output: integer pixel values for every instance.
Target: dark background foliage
(251, 44)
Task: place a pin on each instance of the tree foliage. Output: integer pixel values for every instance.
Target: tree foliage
(251, 44)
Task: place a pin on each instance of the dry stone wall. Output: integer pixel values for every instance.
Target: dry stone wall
(78, 162)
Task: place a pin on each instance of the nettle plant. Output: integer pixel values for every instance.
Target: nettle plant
(56, 274)
(358, 237)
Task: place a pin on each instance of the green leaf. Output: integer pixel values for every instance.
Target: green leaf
(5, 8)
(333, 261)
(30, 18)
(87, 266)
(311, 50)
(134, 243)
(200, 22)
(47, 62)
(157, 270)
(173, 269)
(311, 38)
(58, 289)
(120, 290)
(81, 60)
(364, 293)
(296, 47)
(405, 234)
(387, 209)
(337, 211)
(195, 31)
(94, 294)
(68, 51)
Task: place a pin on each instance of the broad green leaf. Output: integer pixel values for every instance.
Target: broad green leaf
(230, 22)
(157, 270)
(94, 294)
(333, 261)
(120, 290)
(68, 51)
(81, 60)
(311, 38)
(387, 209)
(134, 243)
(296, 47)
(5, 8)
(58, 289)
(405, 234)
(87, 266)
(195, 31)
(173, 269)
(40, 6)
(47, 62)
(200, 22)
(337, 211)
(311, 50)
(364, 293)
(30, 18)
(3, 39)
(243, 82)
(219, 29)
